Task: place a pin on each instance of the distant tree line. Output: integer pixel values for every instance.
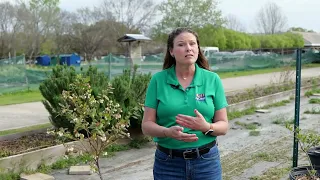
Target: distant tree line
(40, 27)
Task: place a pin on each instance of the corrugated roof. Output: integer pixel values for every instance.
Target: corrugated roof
(133, 37)
(310, 38)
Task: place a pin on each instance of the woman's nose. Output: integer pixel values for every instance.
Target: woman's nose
(188, 48)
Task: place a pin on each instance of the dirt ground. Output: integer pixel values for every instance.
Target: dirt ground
(268, 155)
(263, 157)
(26, 144)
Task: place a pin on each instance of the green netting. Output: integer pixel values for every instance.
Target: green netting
(15, 75)
(12, 74)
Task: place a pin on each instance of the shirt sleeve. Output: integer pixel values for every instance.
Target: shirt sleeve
(151, 94)
(220, 100)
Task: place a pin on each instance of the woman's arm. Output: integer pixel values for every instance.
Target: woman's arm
(149, 125)
(151, 128)
(220, 123)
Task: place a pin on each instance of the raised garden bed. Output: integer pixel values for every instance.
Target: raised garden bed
(26, 144)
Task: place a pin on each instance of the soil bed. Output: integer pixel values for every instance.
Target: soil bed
(27, 144)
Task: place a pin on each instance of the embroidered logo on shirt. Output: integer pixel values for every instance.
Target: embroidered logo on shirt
(200, 97)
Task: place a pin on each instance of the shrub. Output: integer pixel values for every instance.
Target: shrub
(129, 91)
(58, 81)
(98, 117)
(52, 88)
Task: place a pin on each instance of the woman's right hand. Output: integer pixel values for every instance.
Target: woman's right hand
(176, 132)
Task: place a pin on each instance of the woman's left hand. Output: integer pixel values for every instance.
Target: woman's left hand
(196, 123)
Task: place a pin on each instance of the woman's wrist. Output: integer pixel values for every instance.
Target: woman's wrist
(164, 132)
(207, 127)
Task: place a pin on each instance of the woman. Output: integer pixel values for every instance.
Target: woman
(185, 110)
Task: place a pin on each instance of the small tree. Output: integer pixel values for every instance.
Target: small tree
(96, 117)
(307, 140)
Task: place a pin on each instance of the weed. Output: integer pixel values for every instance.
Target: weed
(283, 120)
(272, 173)
(277, 104)
(250, 126)
(139, 142)
(312, 92)
(238, 114)
(314, 101)
(254, 133)
(314, 110)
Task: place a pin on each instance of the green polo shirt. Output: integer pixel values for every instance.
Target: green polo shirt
(165, 94)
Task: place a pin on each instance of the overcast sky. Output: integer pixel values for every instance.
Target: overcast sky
(303, 13)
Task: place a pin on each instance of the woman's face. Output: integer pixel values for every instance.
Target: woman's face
(185, 49)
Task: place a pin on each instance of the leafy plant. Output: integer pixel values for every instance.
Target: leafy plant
(97, 120)
(307, 140)
(58, 81)
(129, 91)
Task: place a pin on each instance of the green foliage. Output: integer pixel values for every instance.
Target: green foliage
(300, 29)
(188, 13)
(307, 140)
(9, 176)
(51, 89)
(254, 133)
(227, 39)
(97, 120)
(58, 81)
(129, 92)
(314, 101)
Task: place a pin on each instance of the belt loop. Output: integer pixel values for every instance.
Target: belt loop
(198, 153)
(170, 153)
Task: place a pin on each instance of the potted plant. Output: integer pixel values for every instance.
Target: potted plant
(314, 155)
(308, 142)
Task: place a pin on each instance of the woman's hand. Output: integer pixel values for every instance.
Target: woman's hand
(196, 123)
(176, 133)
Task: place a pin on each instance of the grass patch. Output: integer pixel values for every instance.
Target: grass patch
(312, 92)
(250, 126)
(9, 176)
(272, 173)
(136, 143)
(24, 129)
(314, 110)
(282, 120)
(277, 104)
(20, 97)
(254, 133)
(237, 114)
(314, 101)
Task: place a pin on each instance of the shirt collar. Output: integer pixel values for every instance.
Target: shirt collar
(173, 80)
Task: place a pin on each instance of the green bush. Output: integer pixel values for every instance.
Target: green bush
(58, 81)
(129, 91)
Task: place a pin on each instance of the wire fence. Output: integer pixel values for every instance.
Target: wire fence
(17, 75)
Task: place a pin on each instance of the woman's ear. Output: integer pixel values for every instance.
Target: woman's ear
(171, 52)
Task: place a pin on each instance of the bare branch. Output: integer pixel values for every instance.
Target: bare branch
(270, 19)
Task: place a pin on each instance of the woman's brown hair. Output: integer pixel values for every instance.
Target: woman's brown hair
(169, 60)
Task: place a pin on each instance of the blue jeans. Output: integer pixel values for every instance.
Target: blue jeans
(204, 167)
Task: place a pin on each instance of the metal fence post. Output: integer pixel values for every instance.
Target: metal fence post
(297, 108)
(110, 66)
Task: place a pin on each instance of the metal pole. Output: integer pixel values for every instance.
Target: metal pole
(297, 108)
(110, 55)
